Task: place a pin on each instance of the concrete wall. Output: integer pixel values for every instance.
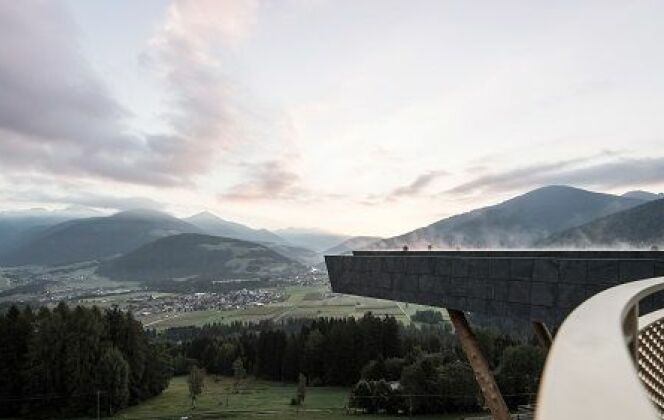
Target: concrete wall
(541, 286)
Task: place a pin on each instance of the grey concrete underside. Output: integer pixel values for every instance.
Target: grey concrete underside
(531, 285)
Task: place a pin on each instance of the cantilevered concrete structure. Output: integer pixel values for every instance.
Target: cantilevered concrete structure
(539, 286)
(532, 285)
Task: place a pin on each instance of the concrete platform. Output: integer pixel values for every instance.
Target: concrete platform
(542, 286)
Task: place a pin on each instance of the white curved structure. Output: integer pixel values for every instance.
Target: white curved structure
(600, 366)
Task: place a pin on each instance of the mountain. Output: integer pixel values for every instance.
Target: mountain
(355, 243)
(214, 225)
(314, 239)
(19, 226)
(516, 223)
(94, 238)
(640, 227)
(297, 253)
(17, 230)
(191, 256)
(643, 195)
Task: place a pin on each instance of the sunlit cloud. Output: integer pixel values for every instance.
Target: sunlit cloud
(371, 117)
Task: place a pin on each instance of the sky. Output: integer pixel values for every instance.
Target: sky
(369, 117)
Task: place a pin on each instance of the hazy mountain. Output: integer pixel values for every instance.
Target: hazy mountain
(193, 256)
(314, 239)
(95, 238)
(640, 227)
(19, 226)
(297, 253)
(643, 195)
(355, 243)
(518, 222)
(16, 230)
(214, 225)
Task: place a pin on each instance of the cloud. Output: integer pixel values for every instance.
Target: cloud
(618, 172)
(413, 189)
(206, 113)
(417, 186)
(57, 117)
(270, 180)
(55, 114)
(85, 199)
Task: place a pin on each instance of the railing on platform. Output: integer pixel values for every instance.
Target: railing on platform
(605, 363)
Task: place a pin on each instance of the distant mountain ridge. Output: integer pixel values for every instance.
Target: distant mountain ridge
(191, 256)
(95, 238)
(519, 222)
(215, 225)
(355, 243)
(523, 221)
(643, 195)
(314, 239)
(17, 227)
(639, 227)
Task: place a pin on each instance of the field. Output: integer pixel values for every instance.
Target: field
(256, 400)
(303, 302)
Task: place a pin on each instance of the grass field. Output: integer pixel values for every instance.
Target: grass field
(303, 302)
(256, 400)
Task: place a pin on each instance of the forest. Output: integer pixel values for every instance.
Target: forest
(391, 368)
(72, 362)
(69, 362)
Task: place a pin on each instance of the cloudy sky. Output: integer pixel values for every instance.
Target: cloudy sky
(356, 116)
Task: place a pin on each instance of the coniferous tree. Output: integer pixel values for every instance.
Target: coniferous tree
(313, 357)
(56, 361)
(238, 374)
(196, 382)
(113, 379)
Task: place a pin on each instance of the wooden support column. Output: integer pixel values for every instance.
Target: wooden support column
(543, 334)
(483, 375)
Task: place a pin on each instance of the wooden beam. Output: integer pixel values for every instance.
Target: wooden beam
(543, 334)
(483, 375)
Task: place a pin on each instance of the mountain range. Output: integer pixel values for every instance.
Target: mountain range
(516, 223)
(353, 244)
(214, 225)
(94, 238)
(315, 239)
(639, 227)
(191, 256)
(643, 195)
(552, 216)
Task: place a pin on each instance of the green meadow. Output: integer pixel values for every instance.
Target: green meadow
(255, 400)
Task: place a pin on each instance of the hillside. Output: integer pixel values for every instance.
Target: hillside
(16, 231)
(353, 244)
(94, 238)
(300, 254)
(193, 256)
(19, 226)
(643, 195)
(639, 227)
(518, 222)
(213, 225)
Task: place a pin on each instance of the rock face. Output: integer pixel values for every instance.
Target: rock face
(640, 227)
(192, 256)
(516, 223)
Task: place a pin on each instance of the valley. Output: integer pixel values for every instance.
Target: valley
(304, 295)
(178, 272)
